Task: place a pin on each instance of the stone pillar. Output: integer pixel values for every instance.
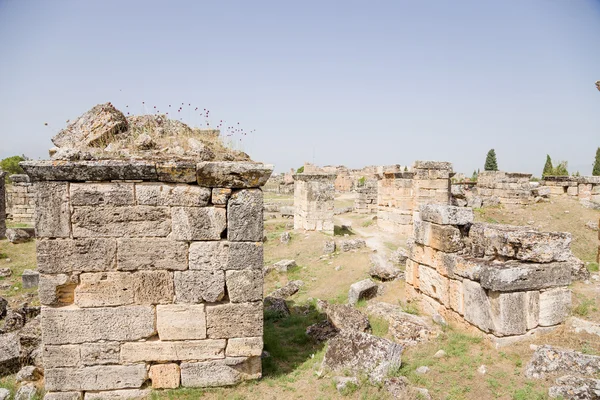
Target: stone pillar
(432, 183)
(395, 201)
(21, 199)
(2, 205)
(314, 196)
(150, 274)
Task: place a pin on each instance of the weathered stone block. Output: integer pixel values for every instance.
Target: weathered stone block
(151, 253)
(244, 285)
(30, 279)
(68, 325)
(456, 296)
(101, 289)
(364, 289)
(107, 221)
(53, 214)
(227, 174)
(105, 377)
(181, 321)
(122, 394)
(477, 306)
(165, 376)
(10, 354)
(198, 223)
(199, 286)
(244, 347)
(97, 170)
(509, 313)
(433, 284)
(176, 171)
(245, 216)
(445, 238)
(102, 194)
(234, 320)
(554, 306)
(100, 353)
(220, 196)
(75, 255)
(61, 356)
(57, 289)
(443, 214)
(511, 276)
(222, 255)
(411, 273)
(156, 194)
(532, 304)
(230, 371)
(63, 396)
(153, 287)
(133, 352)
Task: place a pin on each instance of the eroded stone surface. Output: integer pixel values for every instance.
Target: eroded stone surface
(230, 371)
(244, 216)
(234, 320)
(151, 253)
(76, 255)
(548, 359)
(233, 174)
(165, 376)
(198, 286)
(133, 352)
(157, 194)
(198, 223)
(105, 221)
(105, 377)
(53, 216)
(442, 214)
(244, 285)
(181, 321)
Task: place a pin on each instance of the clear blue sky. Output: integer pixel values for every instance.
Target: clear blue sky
(341, 82)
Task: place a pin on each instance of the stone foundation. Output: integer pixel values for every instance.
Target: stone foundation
(20, 199)
(314, 196)
(150, 274)
(506, 281)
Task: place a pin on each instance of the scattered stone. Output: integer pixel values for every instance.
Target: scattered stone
(400, 388)
(277, 306)
(405, 328)
(29, 374)
(548, 359)
(284, 265)
(5, 272)
(399, 256)
(365, 289)
(592, 225)
(285, 237)
(343, 382)
(329, 247)
(321, 331)
(20, 235)
(10, 351)
(352, 244)
(338, 268)
(575, 388)
(3, 307)
(13, 321)
(361, 352)
(344, 316)
(381, 269)
(144, 142)
(26, 392)
(422, 370)
(579, 325)
(440, 354)
(482, 370)
(4, 394)
(30, 279)
(290, 289)
(438, 319)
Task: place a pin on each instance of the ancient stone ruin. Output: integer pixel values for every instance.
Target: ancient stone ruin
(20, 199)
(507, 281)
(366, 198)
(314, 202)
(585, 188)
(498, 187)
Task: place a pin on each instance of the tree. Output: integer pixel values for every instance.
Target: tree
(11, 166)
(490, 161)
(405, 168)
(474, 176)
(300, 170)
(548, 168)
(596, 170)
(561, 169)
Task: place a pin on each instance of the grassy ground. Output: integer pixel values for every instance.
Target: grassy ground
(17, 257)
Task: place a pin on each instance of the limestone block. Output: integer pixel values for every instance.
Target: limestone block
(198, 223)
(100, 353)
(532, 304)
(97, 170)
(107, 221)
(157, 194)
(445, 238)
(572, 191)
(123, 394)
(245, 216)
(220, 196)
(245, 255)
(235, 175)
(68, 325)
(234, 320)
(63, 396)
(151, 253)
(165, 376)
(101, 194)
(101, 289)
(443, 214)
(181, 321)
(411, 273)
(514, 275)
(230, 371)
(477, 306)
(10, 353)
(53, 215)
(456, 296)
(199, 286)
(244, 347)
(61, 356)
(176, 171)
(104, 377)
(464, 267)
(364, 289)
(554, 306)
(153, 287)
(57, 289)
(223, 255)
(244, 285)
(75, 255)
(30, 279)
(133, 352)
(509, 313)
(433, 284)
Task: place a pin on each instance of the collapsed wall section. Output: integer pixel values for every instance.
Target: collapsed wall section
(314, 196)
(150, 274)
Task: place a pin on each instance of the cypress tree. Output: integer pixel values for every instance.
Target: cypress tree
(548, 168)
(490, 161)
(596, 170)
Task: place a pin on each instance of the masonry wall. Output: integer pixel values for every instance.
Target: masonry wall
(498, 187)
(585, 188)
(366, 198)
(506, 281)
(150, 274)
(20, 199)
(314, 196)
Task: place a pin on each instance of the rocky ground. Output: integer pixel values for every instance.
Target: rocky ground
(309, 325)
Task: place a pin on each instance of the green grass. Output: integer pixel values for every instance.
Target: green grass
(585, 306)
(341, 231)
(409, 308)
(367, 223)
(379, 326)
(593, 267)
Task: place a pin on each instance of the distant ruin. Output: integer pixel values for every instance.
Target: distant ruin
(585, 188)
(314, 195)
(20, 199)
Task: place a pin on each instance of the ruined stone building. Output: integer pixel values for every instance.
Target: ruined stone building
(498, 187)
(314, 196)
(584, 188)
(20, 199)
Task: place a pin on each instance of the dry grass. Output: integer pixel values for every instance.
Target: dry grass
(17, 257)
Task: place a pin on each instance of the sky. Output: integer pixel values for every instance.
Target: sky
(350, 83)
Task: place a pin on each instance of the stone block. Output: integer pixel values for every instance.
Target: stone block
(514, 275)
(245, 216)
(176, 171)
(63, 396)
(220, 196)
(165, 376)
(105, 377)
(97, 170)
(234, 320)
(532, 304)
(10, 354)
(555, 305)
(151, 253)
(153, 287)
(445, 238)
(76, 255)
(199, 286)
(181, 321)
(230, 371)
(433, 284)
(102, 194)
(456, 296)
(364, 289)
(198, 223)
(100, 353)
(123, 394)
(245, 255)
(209, 256)
(477, 306)
(157, 194)
(53, 214)
(443, 214)
(244, 347)
(134, 352)
(70, 325)
(30, 279)
(107, 221)
(244, 285)
(57, 289)
(411, 273)
(61, 356)
(509, 313)
(102, 289)
(234, 175)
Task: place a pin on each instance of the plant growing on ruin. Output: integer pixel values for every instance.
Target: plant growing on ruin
(474, 176)
(361, 181)
(491, 164)
(596, 169)
(548, 168)
(300, 170)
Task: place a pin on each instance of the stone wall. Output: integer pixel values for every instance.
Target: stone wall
(2, 204)
(498, 187)
(314, 196)
(506, 281)
(150, 274)
(366, 198)
(20, 199)
(585, 188)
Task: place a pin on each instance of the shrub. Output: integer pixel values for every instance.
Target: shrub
(11, 165)
(300, 170)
